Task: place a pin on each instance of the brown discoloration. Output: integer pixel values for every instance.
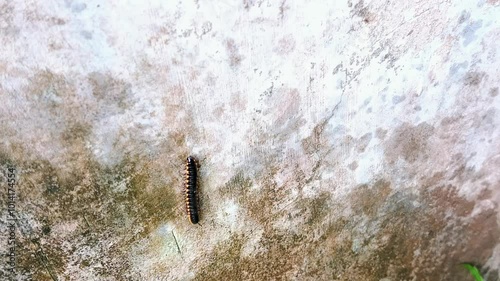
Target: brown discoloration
(473, 238)
(449, 120)
(380, 133)
(285, 45)
(473, 78)
(450, 199)
(76, 133)
(370, 199)
(229, 264)
(289, 101)
(486, 118)
(6, 18)
(110, 91)
(316, 209)
(316, 140)
(49, 86)
(353, 166)
(463, 17)
(408, 142)
(218, 112)
(363, 12)
(89, 195)
(233, 53)
(399, 233)
(494, 92)
(239, 187)
(35, 16)
(162, 36)
(363, 142)
(248, 3)
(238, 102)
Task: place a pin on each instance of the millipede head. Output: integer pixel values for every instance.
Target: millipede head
(190, 160)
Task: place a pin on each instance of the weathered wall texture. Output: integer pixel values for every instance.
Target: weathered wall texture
(338, 140)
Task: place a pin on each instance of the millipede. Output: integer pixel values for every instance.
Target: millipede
(191, 189)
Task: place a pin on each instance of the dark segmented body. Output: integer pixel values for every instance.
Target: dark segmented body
(190, 177)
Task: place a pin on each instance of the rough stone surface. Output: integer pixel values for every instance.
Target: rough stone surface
(337, 140)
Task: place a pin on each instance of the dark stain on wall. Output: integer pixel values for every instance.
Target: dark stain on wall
(232, 50)
(494, 92)
(473, 78)
(93, 210)
(110, 92)
(363, 142)
(390, 233)
(408, 142)
(380, 133)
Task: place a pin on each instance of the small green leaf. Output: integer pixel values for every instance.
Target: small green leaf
(473, 271)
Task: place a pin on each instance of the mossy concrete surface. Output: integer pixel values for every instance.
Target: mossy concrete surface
(344, 140)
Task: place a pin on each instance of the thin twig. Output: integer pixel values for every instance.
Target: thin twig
(45, 261)
(177, 244)
(86, 221)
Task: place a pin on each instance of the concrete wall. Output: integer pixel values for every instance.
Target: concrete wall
(337, 140)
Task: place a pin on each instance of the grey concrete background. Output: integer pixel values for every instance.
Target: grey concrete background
(341, 140)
